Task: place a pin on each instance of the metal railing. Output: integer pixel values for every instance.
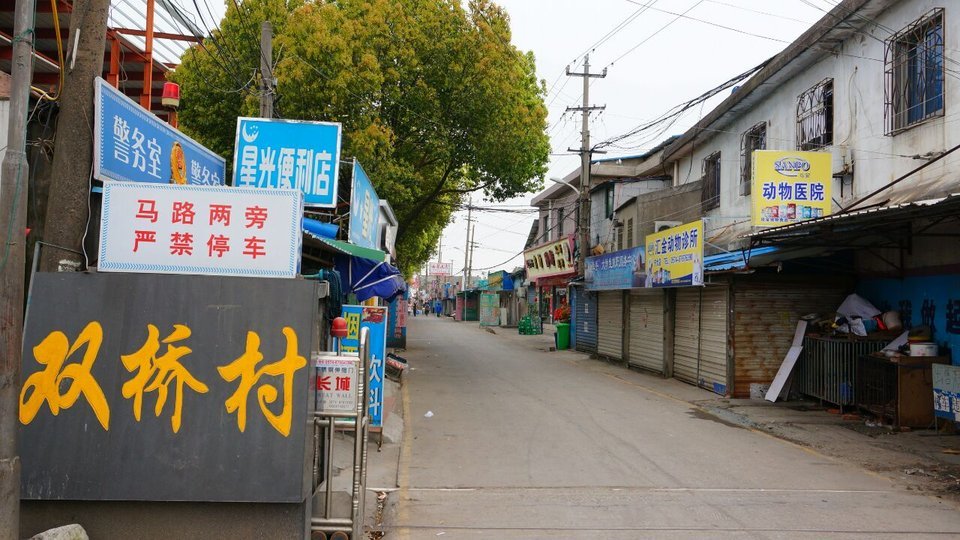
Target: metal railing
(828, 367)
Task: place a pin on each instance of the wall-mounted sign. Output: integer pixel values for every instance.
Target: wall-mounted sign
(168, 229)
(289, 154)
(123, 365)
(489, 309)
(622, 269)
(551, 259)
(789, 187)
(132, 145)
(440, 269)
(946, 391)
(675, 256)
(374, 318)
(364, 210)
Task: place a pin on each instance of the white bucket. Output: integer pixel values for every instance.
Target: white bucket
(923, 349)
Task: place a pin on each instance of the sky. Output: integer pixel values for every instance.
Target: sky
(654, 61)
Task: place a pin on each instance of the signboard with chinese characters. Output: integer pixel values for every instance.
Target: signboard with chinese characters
(289, 154)
(374, 318)
(337, 378)
(168, 388)
(551, 259)
(131, 144)
(489, 309)
(946, 391)
(364, 210)
(397, 328)
(789, 187)
(675, 256)
(622, 269)
(440, 269)
(165, 229)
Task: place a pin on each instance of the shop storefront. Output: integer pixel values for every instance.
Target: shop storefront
(610, 325)
(611, 276)
(584, 319)
(647, 324)
(550, 267)
(700, 337)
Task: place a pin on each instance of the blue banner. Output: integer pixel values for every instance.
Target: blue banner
(289, 154)
(374, 318)
(364, 210)
(132, 145)
(622, 269)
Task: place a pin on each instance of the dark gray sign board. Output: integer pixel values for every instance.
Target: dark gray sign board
(72, 456)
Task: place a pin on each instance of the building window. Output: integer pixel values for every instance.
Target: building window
(815, 117)
(559, 222)
(630, 233)
(619, 237)
(754, 138)
(609, 201)
(546, 227)
(710, 196)
(913, 62)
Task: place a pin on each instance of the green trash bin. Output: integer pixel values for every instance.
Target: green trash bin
(563, 336)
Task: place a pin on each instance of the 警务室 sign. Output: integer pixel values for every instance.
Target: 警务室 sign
(168, 229)
(131, 144)
(289, 154)
(789, 187)
(550, 259)
(374, 318)
(364, 210)
(622, 269)
(675, 256)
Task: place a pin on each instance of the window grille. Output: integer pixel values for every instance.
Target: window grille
(815, 117)
(754, 138)
(913, 73)
(559, 222)
(619, 238)
(710, 196)
(630, 233)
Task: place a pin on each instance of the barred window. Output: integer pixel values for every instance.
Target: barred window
(710, 196)
(559, 222)
(630, 233)
(815, 117)
(619, 237)
(754, 138)
(913, 69)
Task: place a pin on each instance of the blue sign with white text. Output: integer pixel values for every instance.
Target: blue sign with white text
(132, 145)
(289, 154)
(622, 269)
(364, 210)
(374, 318)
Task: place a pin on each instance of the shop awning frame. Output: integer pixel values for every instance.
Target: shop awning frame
(346, 248)
(893, 226)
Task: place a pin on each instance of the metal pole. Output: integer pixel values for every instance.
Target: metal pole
(146, 95)
(266, 73)
(13, 223)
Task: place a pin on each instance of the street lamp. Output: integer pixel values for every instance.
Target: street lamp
(568, 184)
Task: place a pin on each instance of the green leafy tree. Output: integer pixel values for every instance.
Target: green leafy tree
(433, 99)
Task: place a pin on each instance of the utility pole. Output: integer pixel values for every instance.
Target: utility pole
(13, 224)
(585, 154)
(69, 196)
(466, 248)
(266, 70)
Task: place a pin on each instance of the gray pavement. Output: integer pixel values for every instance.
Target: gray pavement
(527, 443)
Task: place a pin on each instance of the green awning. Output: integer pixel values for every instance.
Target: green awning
(350, 249)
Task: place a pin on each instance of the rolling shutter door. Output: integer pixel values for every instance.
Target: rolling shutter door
(646, 330)
(700, 342)
(610, 325)
(586, 330)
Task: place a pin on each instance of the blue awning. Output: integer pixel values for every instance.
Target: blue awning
(734, 260)
(367, 278)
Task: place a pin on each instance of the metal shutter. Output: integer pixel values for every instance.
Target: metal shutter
(610, 325)
(586, 321)
(700, 340)
(646, 330)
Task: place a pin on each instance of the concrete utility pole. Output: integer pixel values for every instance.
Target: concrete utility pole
(266, 70)
(466, 248)
(70, 172)
(585, 154)
(13, 224)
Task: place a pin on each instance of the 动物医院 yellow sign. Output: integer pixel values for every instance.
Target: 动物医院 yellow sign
(789, 187)
(675, 256)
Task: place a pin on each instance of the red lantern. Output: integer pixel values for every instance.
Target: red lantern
(339, 328)
(171, 95)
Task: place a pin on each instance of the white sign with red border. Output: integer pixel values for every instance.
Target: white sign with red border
(224, 231)
(337, 378)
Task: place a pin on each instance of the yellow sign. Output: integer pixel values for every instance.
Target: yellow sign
(552, 259)
(675, 256)
(789, 187)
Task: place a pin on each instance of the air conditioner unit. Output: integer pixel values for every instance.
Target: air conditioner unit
(660, 226)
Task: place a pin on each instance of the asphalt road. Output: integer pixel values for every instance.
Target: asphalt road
(525, 443)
